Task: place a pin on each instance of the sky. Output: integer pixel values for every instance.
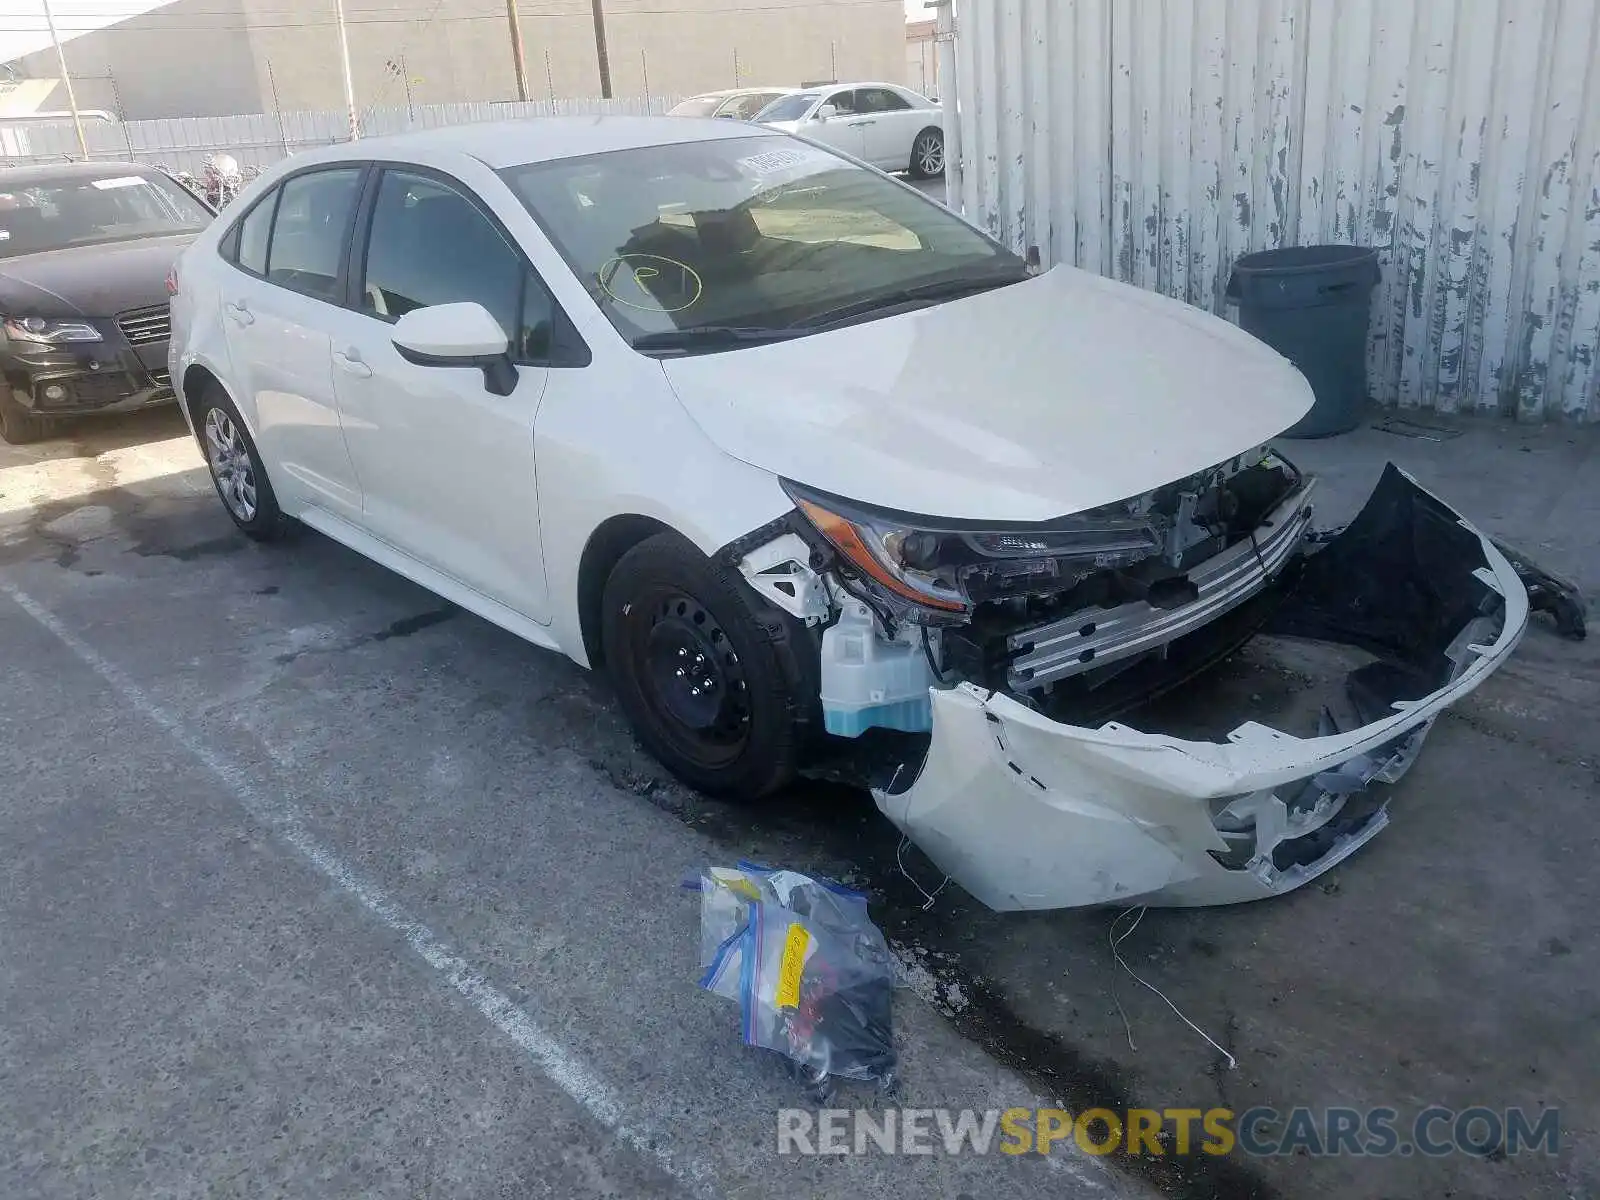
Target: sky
(23, 29)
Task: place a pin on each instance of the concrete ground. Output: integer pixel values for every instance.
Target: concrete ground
(312, 885)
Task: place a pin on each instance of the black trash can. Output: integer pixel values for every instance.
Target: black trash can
(1312, 304)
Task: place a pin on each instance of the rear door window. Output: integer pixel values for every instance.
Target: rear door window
(310, 231)
(878, 99)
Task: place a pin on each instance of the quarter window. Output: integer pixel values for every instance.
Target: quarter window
(253, 233)
(310, 232)
(431, 245)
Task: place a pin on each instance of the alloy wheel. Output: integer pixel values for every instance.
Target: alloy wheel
(231, 465)
(929, 154)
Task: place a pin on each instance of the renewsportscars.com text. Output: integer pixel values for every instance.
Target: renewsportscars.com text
(1376, 1132)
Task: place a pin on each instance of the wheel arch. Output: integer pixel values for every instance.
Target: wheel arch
(197, 377)
(609, 541)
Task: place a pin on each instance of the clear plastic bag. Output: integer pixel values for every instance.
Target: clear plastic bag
(810, 970)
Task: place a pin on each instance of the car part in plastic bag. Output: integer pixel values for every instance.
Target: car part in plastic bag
(810, 971)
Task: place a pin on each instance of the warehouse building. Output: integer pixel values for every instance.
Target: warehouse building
(220, 57)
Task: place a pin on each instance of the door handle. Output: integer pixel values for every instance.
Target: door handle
(350, 363)
(859, 124)
(239, 312)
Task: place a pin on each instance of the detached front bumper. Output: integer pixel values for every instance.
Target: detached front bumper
(1029, 813)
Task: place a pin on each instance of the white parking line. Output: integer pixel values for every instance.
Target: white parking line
(570, 1073)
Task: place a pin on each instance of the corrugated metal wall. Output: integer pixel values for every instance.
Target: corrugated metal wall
(1157, 140)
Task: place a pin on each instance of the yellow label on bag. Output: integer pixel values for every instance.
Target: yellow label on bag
(736, 882)
(793, 962)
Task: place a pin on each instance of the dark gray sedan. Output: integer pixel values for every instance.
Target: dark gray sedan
(85, 253)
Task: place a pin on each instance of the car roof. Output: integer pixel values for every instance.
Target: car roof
(13, 177)
(501, 144)
(741, 91)
(861, 83)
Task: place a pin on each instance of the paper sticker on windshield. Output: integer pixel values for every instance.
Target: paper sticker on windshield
(120, 181)
(782, 162)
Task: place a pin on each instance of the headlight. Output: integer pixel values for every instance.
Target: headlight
(948, 566)
(49, 333)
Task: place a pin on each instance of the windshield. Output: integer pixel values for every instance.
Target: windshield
(78, 211)
(748, 235)
(788, 108)
(699, 106)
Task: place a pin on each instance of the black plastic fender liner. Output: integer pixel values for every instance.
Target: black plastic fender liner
(1400, 581)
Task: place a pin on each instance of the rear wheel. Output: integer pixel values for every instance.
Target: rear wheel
(710, 677)
(18, 425)
(236, 469)
(927, 154)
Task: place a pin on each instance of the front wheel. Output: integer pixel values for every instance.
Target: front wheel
(710, 678)
(236, 469)
(927, 154)
(18, 425)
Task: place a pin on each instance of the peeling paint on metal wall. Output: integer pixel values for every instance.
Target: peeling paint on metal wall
(1157, 142)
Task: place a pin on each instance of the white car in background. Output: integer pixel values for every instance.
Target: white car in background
(809, 465)
(891, 127)
(732, 104)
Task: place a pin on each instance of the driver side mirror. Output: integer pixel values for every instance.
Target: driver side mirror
(458, 335)
(826, 113)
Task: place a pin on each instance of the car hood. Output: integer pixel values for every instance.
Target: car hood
(1033, 401)
(89, 281)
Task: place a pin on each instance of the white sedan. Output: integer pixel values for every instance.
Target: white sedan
(730, 104)
(889, 126)
(818, 472)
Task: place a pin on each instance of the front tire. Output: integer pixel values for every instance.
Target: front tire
(18, 425)
(927, 154)
(236, 469)
(711, 678)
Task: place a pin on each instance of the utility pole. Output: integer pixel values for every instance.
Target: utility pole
(66, 79)
(600, 48)
(945, 40)
(122, 116)
(344, 62)
(277, 110)
(516, 50)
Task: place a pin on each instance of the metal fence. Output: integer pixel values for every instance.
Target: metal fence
(261, 139)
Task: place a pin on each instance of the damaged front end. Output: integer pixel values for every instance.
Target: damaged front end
(1023, 670)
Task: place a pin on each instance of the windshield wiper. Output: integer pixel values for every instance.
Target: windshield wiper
(944, 289)
(710, 337)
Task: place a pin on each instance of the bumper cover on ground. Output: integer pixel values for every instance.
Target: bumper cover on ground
(1028, 813)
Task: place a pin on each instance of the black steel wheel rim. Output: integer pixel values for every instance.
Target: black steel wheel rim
(691, 677)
